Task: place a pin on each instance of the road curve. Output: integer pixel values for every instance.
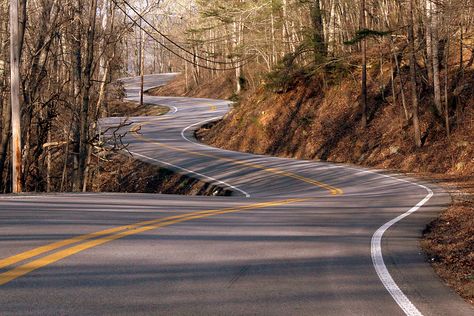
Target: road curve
(295, 238)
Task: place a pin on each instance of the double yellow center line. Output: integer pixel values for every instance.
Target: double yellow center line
(87, 241)
(333, 190)
(65, 248)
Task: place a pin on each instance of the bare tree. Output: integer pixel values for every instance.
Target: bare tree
(414, 91)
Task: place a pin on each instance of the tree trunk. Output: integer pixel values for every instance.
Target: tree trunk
(6, 114)
(15, 97)
(286, 35)
(461, 47)
(446, 93)
(332, 28)
(141, 58)
(235, 43)
(84, 114)
(273, 40)
(364, 68)
(77, 77)
(414, 93)
(429, 39)
(436, 75)
(5, 138)
(319, 46)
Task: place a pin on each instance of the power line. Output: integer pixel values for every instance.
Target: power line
(177, 44)
(173, 42)
(193, 62)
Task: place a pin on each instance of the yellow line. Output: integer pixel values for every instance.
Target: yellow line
(40, 250)
(111, 234)
(123, 231)
(331, 189)
(43, 249)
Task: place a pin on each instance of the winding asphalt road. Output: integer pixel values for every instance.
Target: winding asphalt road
(295, 238)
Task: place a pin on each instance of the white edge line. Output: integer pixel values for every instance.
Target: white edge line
(175, 110)
(192, 172)
(203, 145)
(376, 242)
(377, 257)
(376, 248)
(200, 123)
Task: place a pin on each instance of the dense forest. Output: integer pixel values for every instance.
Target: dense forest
(72, 52)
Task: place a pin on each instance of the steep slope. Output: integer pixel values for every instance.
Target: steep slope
(220, 86)
(310, 122)
(317, 121)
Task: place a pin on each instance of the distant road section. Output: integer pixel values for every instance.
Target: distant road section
(295, 238)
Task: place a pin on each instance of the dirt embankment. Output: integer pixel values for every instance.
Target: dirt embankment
(119, 108)
(220, 86)
(320, 119)
(124, 173)
(121, 172)
(311, 123)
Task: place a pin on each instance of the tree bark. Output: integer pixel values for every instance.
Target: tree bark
(436, 74)
(15, 97)
(414, 92)
(5, 138)
(429, 39)
(319, 46)
(141, 58)
(77, 78)
(84, 146)
(364, 68)
(235, 43)
(6, 110)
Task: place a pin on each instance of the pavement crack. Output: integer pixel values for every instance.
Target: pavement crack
(238, 276)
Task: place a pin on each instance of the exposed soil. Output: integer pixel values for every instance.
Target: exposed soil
(449, 240)
(220, 86)
(121, 172)
(124, 173)
(128, 109)
(316, 120)
(308, 125)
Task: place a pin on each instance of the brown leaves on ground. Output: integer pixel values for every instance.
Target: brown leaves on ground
(220, 86)
(449, 240)
(129, 109)
(119, 172)
(449, 244)
(123, 173)
(313, 121)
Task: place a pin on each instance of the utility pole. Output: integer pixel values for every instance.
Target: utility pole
(15, 96)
